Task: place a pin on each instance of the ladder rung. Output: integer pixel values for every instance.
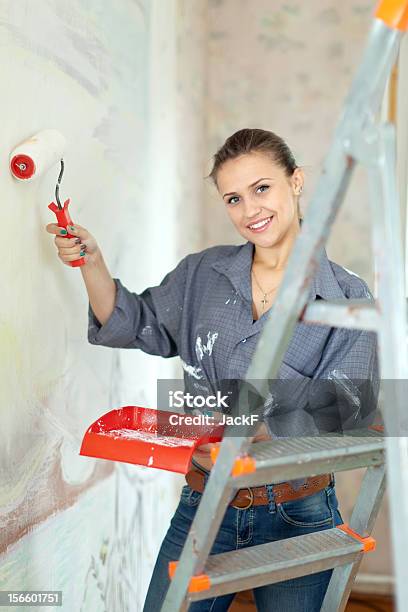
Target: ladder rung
(290, 458)
(353, 314)
(276, 561)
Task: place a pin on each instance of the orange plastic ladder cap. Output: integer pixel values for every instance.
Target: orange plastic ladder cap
(172, 568)
(200, 582)
(368, 542)
(243, 465)
(214, 453)
(394, 13)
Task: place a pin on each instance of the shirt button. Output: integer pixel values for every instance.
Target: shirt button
(244, 340)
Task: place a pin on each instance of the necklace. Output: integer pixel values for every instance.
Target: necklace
(264, 300)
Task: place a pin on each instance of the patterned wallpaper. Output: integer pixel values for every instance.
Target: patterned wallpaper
(286, 67)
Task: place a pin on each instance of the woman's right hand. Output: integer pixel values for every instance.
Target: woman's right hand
(69, 249)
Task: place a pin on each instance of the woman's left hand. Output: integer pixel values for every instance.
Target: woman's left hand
(261, 435)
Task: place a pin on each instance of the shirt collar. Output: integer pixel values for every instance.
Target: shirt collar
(237, 267)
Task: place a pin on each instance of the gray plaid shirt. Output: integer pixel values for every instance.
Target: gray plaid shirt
(202, 312)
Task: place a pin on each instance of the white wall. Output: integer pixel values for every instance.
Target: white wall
(81, 67)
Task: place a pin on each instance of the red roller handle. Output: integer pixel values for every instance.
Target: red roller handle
(64, 219)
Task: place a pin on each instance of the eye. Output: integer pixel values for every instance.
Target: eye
(260, 187)
(229, 200)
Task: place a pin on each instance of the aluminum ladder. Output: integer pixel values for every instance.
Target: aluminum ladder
(359, 137)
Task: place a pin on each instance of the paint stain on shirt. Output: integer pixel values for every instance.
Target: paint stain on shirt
(202, 349)
(192, 370)
(234, 295)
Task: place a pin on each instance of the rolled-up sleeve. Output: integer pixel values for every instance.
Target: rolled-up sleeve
(149, 321)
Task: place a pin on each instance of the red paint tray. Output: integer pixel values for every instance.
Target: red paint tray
(129, 434)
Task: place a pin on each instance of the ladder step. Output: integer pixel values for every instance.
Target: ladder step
(276, 561)
(352, 314)
(284, 459)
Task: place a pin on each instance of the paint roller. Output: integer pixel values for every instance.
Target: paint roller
(32, 158)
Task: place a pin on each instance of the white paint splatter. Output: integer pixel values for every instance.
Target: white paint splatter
(192, 370)
(201, 348)
(144, 436)
(234, 293)
(367, 294)
(351, 272)
(201, 387)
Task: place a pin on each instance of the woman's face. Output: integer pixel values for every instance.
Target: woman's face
(253, 188)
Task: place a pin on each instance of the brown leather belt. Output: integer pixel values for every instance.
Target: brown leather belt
(256, 496)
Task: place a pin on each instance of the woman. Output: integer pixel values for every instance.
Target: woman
(210, 311)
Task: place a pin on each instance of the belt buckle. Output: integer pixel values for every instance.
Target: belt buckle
(251, 501)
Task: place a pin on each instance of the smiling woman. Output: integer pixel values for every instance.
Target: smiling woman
(210, 311)
(260, 183)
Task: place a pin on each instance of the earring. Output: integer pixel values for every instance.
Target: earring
(299, 190)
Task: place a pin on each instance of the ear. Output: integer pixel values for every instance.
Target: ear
(298, 180)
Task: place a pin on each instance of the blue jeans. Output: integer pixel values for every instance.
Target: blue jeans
(242, 528)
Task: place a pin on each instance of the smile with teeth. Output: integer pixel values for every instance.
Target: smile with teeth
(261, 224)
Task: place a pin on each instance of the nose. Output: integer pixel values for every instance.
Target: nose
(252, 209)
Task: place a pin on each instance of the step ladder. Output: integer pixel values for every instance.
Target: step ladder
(197, 575)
